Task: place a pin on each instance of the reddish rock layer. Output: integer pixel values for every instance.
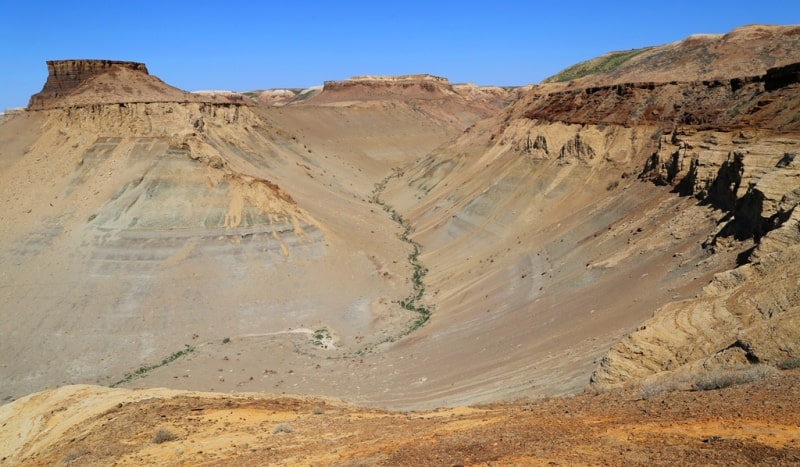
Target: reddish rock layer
(766, 101)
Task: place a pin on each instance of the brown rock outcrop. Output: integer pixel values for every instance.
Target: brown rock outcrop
(65, 75)
(72, 83)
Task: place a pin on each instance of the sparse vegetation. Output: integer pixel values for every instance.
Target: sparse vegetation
(790, 363)
(602, 64)
(705, 380)
(409, 303)
(413, 301)
(723, 378)
(612, 185)
(282, 428)
(144, 369)
(162, 435)
(322, 338)
(226, 340)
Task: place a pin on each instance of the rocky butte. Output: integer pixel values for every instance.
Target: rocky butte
(80, 82)
(629, 227)
(63, 76)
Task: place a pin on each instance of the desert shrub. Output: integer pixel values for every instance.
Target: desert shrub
(226, 340)
(144, 369)
(282, 428)
(162, 435)
(723, 378)
(790, 363)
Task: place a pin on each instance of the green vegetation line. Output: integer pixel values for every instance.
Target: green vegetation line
(144, 369)
(411, 302)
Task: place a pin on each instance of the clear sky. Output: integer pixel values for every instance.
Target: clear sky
(246, 45)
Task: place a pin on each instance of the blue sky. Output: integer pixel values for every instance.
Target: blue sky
(246, 45)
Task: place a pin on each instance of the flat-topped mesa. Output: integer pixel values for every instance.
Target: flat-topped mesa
(65, 75)
(424, 81)
(87, 82)
(421, 86)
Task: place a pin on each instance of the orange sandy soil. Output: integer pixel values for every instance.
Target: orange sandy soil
(752, 424)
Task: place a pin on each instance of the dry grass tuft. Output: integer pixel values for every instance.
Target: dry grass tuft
(162, 435)
(723, 378)
(282, 428)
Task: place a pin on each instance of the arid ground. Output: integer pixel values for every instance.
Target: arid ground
(408, 271)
